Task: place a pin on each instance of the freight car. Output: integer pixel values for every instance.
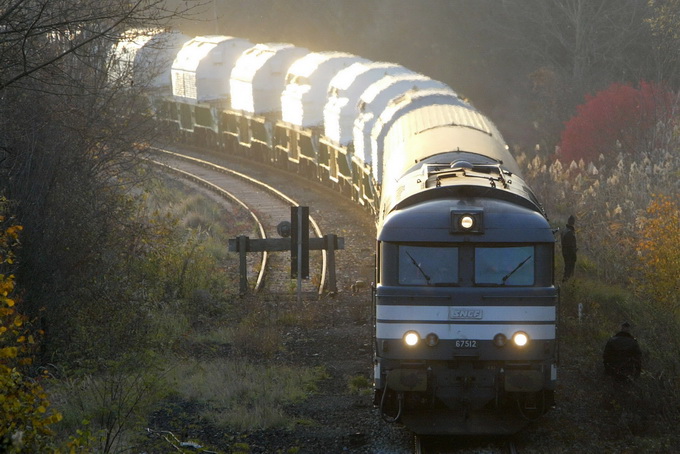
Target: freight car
(465, 306)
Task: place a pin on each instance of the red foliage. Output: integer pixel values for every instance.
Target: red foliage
(620, 118)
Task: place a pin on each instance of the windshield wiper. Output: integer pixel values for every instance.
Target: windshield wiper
(507, 276)
(427, 278)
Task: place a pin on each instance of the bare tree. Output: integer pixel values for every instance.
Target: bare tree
(588, 42)
(69, 136)
(563, 49)
(664, 22)
(36, 34)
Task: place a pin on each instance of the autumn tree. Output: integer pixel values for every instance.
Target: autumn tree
(659, 254)
(621, 118)
(25, 411)
(608, 195)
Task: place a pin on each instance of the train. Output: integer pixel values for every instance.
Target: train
(465, 304)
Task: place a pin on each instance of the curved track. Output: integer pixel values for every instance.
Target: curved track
(267, 206)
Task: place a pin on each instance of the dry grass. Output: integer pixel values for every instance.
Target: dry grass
(593, 414)
(244, 396)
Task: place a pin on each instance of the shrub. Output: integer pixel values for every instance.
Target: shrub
(619, 118)
(113, 403)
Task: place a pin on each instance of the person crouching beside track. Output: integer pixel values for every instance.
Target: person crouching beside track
(622, 356)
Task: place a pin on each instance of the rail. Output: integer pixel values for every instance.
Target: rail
(209, 185)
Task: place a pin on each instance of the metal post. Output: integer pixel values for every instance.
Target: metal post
(298, 245)
(330, 241)
(243, 265)
(299, 255)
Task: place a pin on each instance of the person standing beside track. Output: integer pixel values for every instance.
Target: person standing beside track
(569, 248)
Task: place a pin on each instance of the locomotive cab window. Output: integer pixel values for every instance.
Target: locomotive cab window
(510, 265)
(428, 265)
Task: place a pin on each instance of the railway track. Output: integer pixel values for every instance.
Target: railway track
(469, 445)
(267, 206)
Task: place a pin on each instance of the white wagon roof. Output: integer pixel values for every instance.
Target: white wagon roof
(374, 100)
(144, 56)
(427, 103)
(344, 91)
(259, 77)
(203, 66)
(306, 91)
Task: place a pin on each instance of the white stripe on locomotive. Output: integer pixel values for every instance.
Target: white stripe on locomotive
(447, 313)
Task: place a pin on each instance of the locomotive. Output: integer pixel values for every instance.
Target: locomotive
(465, 305)
(464, 301)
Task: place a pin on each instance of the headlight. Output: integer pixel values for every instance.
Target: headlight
(520, 339)
(467, 222)
(432, 339)
(499, 340)
(411, 338)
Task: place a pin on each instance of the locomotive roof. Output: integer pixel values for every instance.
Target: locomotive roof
(458, 175)
(442, 138)
(430, 221)
(438, 128)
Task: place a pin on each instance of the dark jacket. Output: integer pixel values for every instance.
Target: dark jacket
(622, 356)
(569, 243)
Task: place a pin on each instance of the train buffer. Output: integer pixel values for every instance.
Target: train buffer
(295, 239)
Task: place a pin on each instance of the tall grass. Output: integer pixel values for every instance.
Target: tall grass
(647, 408)
(109, 408)
(610, 199)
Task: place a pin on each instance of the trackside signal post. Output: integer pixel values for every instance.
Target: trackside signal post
(296, 240)
(299, 243)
